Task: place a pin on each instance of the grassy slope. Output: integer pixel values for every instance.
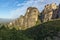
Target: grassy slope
(48, 29)
(38, 32)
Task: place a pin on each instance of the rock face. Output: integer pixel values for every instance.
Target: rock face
(31, 17)
(48, 12)
(28, 20)
(58, 11)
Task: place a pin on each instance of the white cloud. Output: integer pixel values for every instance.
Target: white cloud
(22, 10)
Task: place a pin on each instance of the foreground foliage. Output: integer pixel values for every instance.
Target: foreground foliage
(44, 31)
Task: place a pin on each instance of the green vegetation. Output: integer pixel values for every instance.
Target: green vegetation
(38, 21)
(39, 32)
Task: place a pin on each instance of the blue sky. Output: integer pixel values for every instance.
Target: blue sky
(14, 8)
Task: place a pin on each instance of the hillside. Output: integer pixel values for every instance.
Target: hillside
(33, 16)
(48, 30)
(34, 25)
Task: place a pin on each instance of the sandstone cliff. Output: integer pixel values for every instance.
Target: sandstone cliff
(28, 20)
(50, 12)
(33, 17)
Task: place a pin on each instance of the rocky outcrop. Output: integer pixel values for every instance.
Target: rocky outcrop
(28, 20)
(33, 17)
(48, 12)
(58, 11)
